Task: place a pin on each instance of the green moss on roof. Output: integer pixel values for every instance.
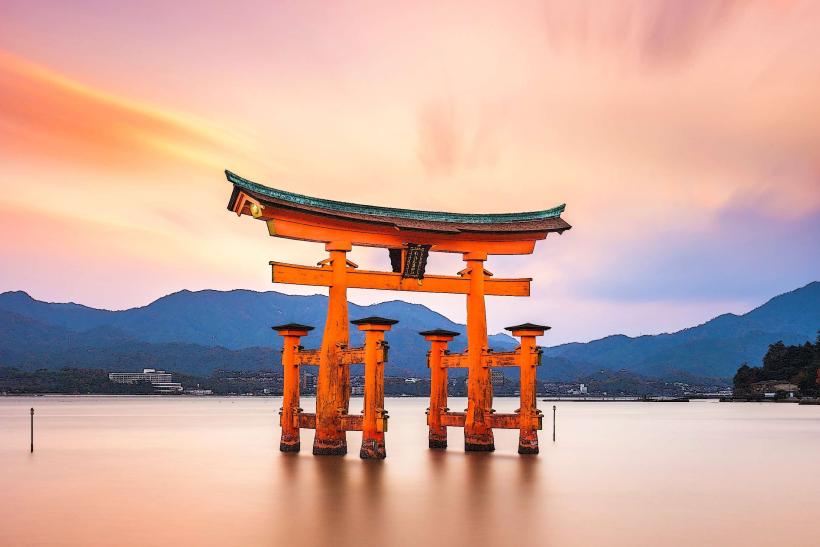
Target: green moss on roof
(375, 211)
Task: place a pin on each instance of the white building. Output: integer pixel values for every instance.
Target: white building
(161, 380)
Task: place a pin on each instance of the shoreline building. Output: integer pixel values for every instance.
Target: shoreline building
(162, 381)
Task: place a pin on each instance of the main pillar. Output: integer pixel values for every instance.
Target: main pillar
(289, 414)
(478, 432)
(439, 339)
(333, 383)
(374, 416)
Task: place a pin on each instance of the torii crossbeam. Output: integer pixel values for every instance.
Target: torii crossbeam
(409, 235)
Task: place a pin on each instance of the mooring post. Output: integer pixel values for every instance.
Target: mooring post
(289, 413)
(529, 357)
(553, 423)
(32, 431)
(374, 416)
(438, 338)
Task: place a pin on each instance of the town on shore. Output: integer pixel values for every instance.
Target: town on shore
(788, 373)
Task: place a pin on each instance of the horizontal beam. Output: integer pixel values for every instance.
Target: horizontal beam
(295, 274)
(497, 420)
(307, 420)
(351, 422)
(491, 359)
(453, 419)
(311, 357)
(307, 357)
(291, 225)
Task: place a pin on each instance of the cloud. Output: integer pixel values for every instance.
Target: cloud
(46, 114)
(652, 32)
(451, 139)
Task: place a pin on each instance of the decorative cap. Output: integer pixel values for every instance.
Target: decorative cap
(374, 321)
(528, 326)
(438, 332)
(292, 326)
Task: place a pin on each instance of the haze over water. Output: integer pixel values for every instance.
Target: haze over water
(186, 471)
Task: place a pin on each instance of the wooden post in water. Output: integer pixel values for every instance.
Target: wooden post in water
(289, 414)
(553, 423)
(529, 357)
(333, 384)
(32, 431)
(438, 338)
(374, 416)
(478, 431)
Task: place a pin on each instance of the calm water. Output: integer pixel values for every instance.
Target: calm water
(207, 471)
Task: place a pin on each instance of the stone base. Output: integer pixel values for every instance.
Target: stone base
(438, 443)
(329, 447)
(373, 450)
(289, 446)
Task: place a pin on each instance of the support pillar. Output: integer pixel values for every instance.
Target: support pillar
(478, 432)
(333, 383)
(528, 414)
(439, 339)
(289, 413)
(374, 416)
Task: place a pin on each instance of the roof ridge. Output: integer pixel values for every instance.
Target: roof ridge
(378, 211)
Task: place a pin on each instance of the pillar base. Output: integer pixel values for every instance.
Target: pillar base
(329, 447)
(476, 447)
(373, 450)
(479, 442)
(438, 443)
(527, 449)
(528, 443)
(289, 446)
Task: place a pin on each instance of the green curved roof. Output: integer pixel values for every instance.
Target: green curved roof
(391, 212)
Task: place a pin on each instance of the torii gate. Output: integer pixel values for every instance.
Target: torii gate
(409, 235)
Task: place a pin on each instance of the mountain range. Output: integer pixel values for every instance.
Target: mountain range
(198, 332)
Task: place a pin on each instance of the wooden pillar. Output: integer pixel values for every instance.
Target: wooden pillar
(438, 338)
(289, 413)
(374, 416)
(478, 433)
(528, 414)
(333, 383)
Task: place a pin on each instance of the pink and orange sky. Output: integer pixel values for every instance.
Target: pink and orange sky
(684, 137)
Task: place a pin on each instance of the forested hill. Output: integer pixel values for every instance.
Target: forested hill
(197, 332)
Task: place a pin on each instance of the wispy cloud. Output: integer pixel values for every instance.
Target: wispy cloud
(45, 113)
(656, 33)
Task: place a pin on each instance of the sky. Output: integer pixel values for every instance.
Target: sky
(684, 138)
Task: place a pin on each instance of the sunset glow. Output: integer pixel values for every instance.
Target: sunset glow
(683, 136)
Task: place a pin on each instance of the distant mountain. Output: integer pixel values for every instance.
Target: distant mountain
(233, 326)
(197, 332)
(714, 349)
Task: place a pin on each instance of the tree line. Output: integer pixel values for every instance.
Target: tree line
(799, 365)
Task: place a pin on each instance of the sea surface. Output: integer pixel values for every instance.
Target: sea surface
(207, 471)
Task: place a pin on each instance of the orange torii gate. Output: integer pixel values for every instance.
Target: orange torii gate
(409, 236)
